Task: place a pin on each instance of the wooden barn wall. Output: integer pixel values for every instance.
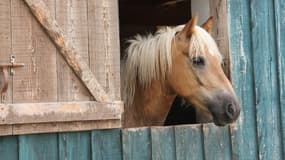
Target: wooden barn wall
(257, 38)
(91, 26)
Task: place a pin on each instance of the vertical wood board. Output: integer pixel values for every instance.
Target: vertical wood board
(136, 144)
(75, 146)
(279, 9)
(217, 143)
(38, 147)
(106, 144)
(163, 143)
(243, 132)
(72, 18)
(104, 47)
(9, 148)
(189, 142)
(266, 84)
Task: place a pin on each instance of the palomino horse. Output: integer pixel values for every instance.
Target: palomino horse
(182, 61)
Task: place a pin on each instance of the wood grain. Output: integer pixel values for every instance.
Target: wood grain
(163, 143)
(243, 132)
(20, 129)
(72, 18)
(40, 146)
(65, 46)
(9, 148)
(74, 146)
(136, 143)
(189, 142)
(58, 112)
(5, 42)
(217, 143)
(106, 144)
(266, 82)
(104, 45)
(279, 11)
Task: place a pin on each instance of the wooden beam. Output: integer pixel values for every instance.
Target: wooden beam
(19, 129)
(58, 112)
(64, 45)
(218, 9)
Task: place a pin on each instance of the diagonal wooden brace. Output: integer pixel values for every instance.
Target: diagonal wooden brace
(75, 61)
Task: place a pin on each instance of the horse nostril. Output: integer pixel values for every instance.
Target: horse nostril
(230, 111)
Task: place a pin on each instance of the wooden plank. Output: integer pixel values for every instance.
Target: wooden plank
(19, 129)
(65, 46)
(136, 144)
(22, 48)
(71, 16)
(217, 143)
(30, 46)
(218, 9)
(5, 42)
(279, 8)
(163, 143)
(58, 112)
(266, 84)
(106, 144)
(40, 146)
(43, 62)
(104, 45)
(9, 148)
(74, 146)
(6, 130)
(189, 142)
(244, 130)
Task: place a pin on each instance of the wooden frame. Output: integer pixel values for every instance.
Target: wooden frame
(58, 117)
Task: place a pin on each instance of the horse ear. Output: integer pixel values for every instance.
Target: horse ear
(208, 24)
(190, 26)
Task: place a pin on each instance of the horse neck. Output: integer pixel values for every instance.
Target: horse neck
(150, 106)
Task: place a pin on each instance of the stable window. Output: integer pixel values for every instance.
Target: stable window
(146, 16)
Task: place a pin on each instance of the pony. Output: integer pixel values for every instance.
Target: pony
(184, 61)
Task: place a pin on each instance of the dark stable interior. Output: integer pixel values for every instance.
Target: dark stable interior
(145, 16)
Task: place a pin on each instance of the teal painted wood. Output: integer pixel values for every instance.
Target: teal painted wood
(266, 84)
(75, 146)
(217, 145)
(279, 8)
(9, 148)
(163, 143)
(38, 147)
(106, 144)
(189, 142)
(136, 144)
(244, 144)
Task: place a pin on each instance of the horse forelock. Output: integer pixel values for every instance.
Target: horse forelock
(202, 43)
(149, 57)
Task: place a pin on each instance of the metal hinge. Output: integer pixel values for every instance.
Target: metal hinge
(5, 68)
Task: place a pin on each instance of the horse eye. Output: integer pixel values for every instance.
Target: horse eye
(198, 61)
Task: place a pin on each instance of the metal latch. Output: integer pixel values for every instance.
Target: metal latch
(5, 68)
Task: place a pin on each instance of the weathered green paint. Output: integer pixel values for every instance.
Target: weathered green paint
(136, 144)
(279, 8)
(9, 148)
(244, 144)
(38, 147)
(189, 142)
(74, 146)
(106, 144)
(217, 143)
(163, 143)
(265, 76)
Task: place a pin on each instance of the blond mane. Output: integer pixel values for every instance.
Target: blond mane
(149, 57)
